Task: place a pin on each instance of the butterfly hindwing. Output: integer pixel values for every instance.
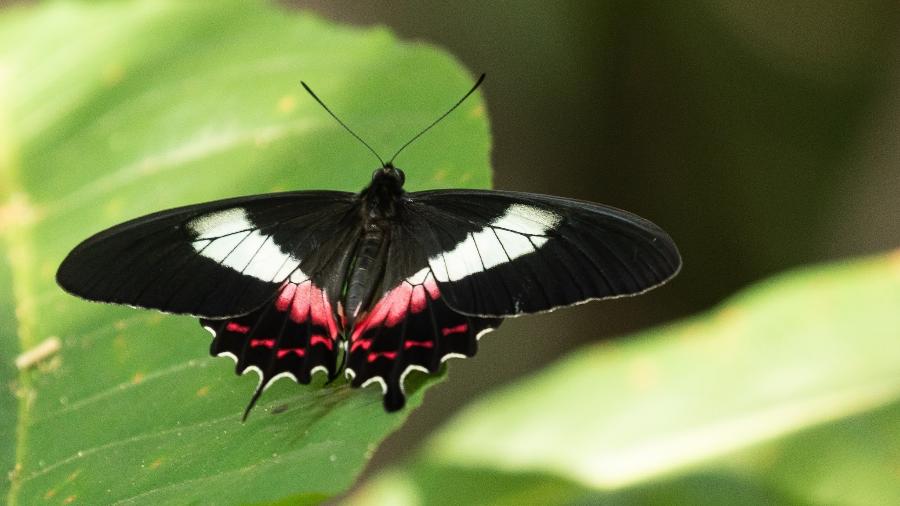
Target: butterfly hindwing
(504, 253)
(294, 335)
(410, 328)
(217, 259)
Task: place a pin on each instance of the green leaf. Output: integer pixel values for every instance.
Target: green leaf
(788, 393)
(110, 110)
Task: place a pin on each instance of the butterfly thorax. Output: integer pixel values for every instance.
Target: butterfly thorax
(380, 204)
(382, 199)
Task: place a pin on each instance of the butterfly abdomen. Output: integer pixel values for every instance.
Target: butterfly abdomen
(365, 272)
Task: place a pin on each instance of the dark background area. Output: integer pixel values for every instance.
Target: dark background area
(761, 135)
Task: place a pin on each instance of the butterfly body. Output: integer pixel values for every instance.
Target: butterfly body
(380, 205)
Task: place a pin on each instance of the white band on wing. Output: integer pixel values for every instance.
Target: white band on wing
(519, 231)
(231, 239)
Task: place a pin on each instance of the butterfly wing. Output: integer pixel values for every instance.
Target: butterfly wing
(292, 336)
(505, 253)
(408, 326)
(213, 260)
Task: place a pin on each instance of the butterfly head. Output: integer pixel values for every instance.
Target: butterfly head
(388, 176)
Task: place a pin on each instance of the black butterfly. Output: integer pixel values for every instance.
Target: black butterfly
(385, 281)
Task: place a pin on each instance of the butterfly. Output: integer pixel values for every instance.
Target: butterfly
(378, 283)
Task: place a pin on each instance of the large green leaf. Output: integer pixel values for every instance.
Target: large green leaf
(109, 110)
(790, 392)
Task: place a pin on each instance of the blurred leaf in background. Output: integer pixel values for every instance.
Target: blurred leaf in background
(109, 110)
(787, 393)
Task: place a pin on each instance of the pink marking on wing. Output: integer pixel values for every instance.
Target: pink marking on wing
(297, 351)
(418, 302)
(373, 319)
(285, 297)
(378, 354)
(321, 313)
(361, 343)
(237, 327)
(308, 302)
(432, 288)
(268, 343)
(421, 344)
(318, 339)
(459, 329)
(398, 298)
(316, 306)
(396, 304)
(300, 307)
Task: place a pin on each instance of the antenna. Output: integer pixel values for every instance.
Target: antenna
(343, 125)
(364, 143)
(435, 122)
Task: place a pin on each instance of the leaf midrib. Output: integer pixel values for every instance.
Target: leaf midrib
(16, 238)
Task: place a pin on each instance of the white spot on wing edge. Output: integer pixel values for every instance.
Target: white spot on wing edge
(228, 354)
(379, 380)
(258, 372)
(349, 373)
(279, 376)
(452, 355)
(211, 331)
(483, 332)
(410, 368)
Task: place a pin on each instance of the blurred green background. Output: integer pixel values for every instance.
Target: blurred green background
(762, 135)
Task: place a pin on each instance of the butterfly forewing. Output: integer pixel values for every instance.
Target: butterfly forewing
(505, 253)
(219, 259)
